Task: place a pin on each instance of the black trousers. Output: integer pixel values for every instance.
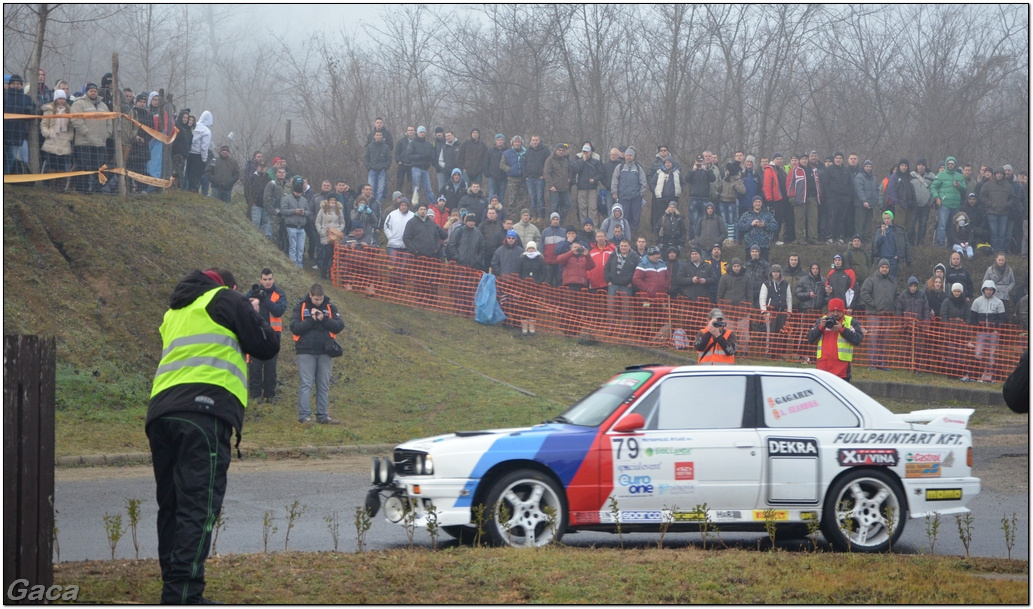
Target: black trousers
(191, 453)
(261, 377)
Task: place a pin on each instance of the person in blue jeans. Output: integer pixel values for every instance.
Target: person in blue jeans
(314, 322)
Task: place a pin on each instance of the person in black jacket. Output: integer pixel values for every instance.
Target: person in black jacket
(272, 304)
(404, 166)
(314, 322)
(197, 400)
(619, 273)
(181, 147)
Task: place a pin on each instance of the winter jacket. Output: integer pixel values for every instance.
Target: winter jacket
(224, 173)
(387, 139)
(466, 246)
(734, 288)
(943, 186)
(232, 310)
(289, 206)
(920, 184)
(271, 195)
(612, 221)
(997, 196)
(534, 161)
(879, 293)
(445, 156)
(699, 181)
(331, 215)
(776, 296)
(526, 232)
(958, 275)
(837, 183)
(377, 156)
(793, 275)
(471, 157)
(181, 145)
(916, 304)
(310, 335)
(758, 235)
(903, 191)
(841, 280)
(620, 270)
(774, 184)
(202, 140)
(402, 150)
(629, 182)
(493, 164)
(394, 228)
(752, 184)
(475, 204)
(758, 272)
(506, 259)
(668, 184)
(670, 228)
(858, 262)
(731, 189)
(16, 130)
(978, 229)
(599, 256)
(988, 311)
(494, 235)
(687, 270)
(551, 237)
(575, 268)
(420, 154)
(809, 283)
(585, 171)
(955, 309)
(866, 188)
(514, 162)
(557, 173)
(532, 267)
(93, 133)
(709, 230)
(880, 245)
(1004, 279)
(57, 132)
(797, 185)
(422, 237)
(651, 278)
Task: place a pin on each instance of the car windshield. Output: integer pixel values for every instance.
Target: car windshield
(596, 406)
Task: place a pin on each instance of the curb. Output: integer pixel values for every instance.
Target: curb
(931, 393)
(127, 459)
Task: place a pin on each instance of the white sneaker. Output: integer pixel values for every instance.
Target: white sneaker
(780, 243)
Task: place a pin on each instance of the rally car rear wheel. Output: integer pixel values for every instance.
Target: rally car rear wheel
(527, 509)
(864, 511)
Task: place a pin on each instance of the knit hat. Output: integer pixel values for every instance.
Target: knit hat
(588, 222)
(1007, 168)
(430, 212)
(672, 203)
(776, 268)
(402, 200)
(531, 245)
(470, 217)
(922, 162)
(15, 78)
(498, 135)
(439, 130)
(912, 280)
(837, 255)
(716, 314)
(754, 247)
(837, 304)
(421, 129)
(511, 233)
(777, 155)
(958, 287)
(223, 147)
(442, 198)
(867, 162)
(571, 229)
(652, 250)
(525, 211)
(630, 150)
(751, 159)
(89, 85)
(554, 216)
(972, 195)
(888, 212)
(60, 94)
(884, 262)
(395, 195)
(420, 203)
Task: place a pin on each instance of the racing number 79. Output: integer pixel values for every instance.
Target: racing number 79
(632, 447)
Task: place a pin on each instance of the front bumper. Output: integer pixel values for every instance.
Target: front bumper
(450, 500)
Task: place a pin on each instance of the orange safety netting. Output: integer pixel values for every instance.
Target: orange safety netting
(903, 343)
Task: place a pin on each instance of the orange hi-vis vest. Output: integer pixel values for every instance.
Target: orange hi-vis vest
(325, 312)
(716, 355)
(276, 322)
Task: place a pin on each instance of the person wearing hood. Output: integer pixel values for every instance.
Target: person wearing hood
(912, 302)
(879, 294)
(840, 280)
(57, 135)
(731, 189)
(670, 227)
(921, 182)
(616, 218)
(961, 235)
(757, 270)
(987, 313)
(181, 148)
(709, 228)
(997, 197)
(628, 187)
(1001, 273)
(793, 272)
(776, 301)
(90, 137)
(836, 338)
(557, 175)
(197, 400)
(16, 131)
(588, 175)
(947, 190)
(671, 258)
(198, 157)
(734, 293)
(811, 290)
(758, 227)
(454, 189)
(471, 157)
(890, 243)
(666, 182)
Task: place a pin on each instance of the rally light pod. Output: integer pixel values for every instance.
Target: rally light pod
(394, 509)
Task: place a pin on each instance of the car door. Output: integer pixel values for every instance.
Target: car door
(693, 450)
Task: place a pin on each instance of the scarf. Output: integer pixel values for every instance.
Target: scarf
(531, 255)
(61, 124)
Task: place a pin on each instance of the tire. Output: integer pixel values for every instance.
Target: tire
(523, 496)
(859, 501)
(463, 533)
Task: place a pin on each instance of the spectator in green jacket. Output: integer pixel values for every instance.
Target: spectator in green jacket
(948, 190)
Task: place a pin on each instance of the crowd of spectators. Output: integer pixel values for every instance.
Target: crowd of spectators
(80, 144)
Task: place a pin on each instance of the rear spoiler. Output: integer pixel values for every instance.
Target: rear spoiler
(944, 417)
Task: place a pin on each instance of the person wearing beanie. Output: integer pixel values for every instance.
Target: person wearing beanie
(420, 155)
(836, 337)
(57, 136)
(223, 174)
(715, 343)
(90, 142)
(948, 190)
(670, 227)
(552, 236)
(466, 245)
(912, 302)
(628, 187)
(841, 282)
(587, 170)
(954, 313)
(890, 243)
(16, 132)
(506, 258)
(879, 294)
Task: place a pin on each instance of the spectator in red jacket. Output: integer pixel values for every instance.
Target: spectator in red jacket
(600, 253)
(575, 264)
(651, 276)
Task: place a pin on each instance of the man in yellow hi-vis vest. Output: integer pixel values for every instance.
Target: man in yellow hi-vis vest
(836, 338)
(197, 400)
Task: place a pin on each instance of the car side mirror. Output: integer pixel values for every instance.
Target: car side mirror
(632, 422)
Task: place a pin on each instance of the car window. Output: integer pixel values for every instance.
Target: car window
(695, 402)
(596, 406)
(796, 401)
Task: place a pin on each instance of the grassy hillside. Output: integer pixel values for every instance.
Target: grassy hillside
(96, 273)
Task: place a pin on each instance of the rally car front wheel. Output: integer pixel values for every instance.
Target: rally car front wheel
(527, 508)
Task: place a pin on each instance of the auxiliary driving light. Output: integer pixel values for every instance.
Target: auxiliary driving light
(394, 509)
(387, 471)
(374, 472)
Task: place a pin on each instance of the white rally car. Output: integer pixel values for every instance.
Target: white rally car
(653, 444)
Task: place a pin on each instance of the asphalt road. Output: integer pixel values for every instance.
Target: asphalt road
(339, 485)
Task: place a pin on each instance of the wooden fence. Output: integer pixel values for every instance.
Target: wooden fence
(28, 460)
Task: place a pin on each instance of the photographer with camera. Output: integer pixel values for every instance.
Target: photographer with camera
(272, 304)
(715, 342)
(836, 338)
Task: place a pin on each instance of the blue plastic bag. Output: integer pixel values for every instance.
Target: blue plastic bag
(486, 305)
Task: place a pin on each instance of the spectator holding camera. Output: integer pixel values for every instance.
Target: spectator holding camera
(715, 343)
(836, 338)
(272, 304)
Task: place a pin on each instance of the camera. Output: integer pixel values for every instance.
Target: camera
(830, 323)
(256, 291)
(719, 323)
